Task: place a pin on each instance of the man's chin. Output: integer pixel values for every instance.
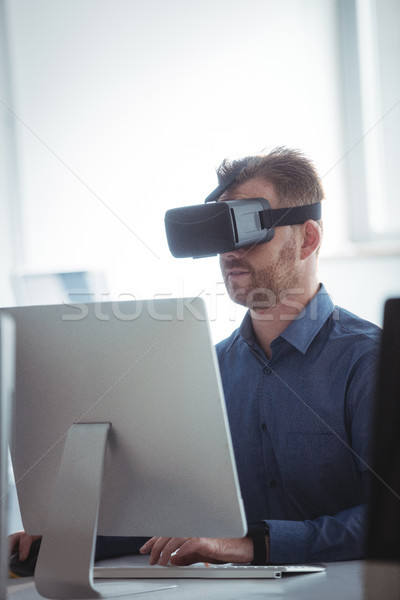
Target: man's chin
(256, 299)
(252, 303)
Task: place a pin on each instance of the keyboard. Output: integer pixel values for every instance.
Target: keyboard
(203, 571)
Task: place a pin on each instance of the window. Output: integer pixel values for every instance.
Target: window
(370, 57)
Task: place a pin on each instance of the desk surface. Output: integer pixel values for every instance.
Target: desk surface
(340, 581)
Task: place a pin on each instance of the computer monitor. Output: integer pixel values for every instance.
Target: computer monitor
(54, 288)
(120, 429)
(383, 537)
(7, 384)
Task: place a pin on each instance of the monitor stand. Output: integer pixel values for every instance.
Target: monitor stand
(64, 568)
(66, 558)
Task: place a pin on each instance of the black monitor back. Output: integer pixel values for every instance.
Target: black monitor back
(383, 536)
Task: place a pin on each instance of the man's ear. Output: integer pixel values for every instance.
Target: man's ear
(311, 239)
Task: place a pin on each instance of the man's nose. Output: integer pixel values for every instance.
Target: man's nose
(237, 253)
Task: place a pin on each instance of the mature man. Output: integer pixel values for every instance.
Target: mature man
(298, 378)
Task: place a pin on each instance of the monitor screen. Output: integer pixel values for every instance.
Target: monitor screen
(120, 428)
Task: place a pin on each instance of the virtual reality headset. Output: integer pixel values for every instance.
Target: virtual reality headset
(218, 227)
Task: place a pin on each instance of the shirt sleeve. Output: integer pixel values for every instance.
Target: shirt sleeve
(322, 539)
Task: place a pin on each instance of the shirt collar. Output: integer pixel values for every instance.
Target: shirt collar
(301, 332)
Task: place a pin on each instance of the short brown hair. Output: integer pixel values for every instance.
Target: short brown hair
(293, 175)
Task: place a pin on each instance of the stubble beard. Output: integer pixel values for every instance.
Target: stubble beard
(265, 287)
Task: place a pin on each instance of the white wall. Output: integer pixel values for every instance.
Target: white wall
(362, 284)
(10, 244)
(123, 109)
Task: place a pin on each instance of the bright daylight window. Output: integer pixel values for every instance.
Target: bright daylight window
(371, 55)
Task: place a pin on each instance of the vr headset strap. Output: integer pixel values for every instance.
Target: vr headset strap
(220, 189)
(275, 217)
(294, 215)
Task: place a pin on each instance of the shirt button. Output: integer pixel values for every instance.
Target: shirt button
(273, 483)
(266, 370)
(263, 427)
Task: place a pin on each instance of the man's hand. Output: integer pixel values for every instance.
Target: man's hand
(21, 542)
(186, 551)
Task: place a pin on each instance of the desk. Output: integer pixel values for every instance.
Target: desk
(340, 581)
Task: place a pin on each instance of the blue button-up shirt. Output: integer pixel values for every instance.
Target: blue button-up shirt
(300, 424)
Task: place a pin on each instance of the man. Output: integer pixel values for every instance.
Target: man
(298, 379)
